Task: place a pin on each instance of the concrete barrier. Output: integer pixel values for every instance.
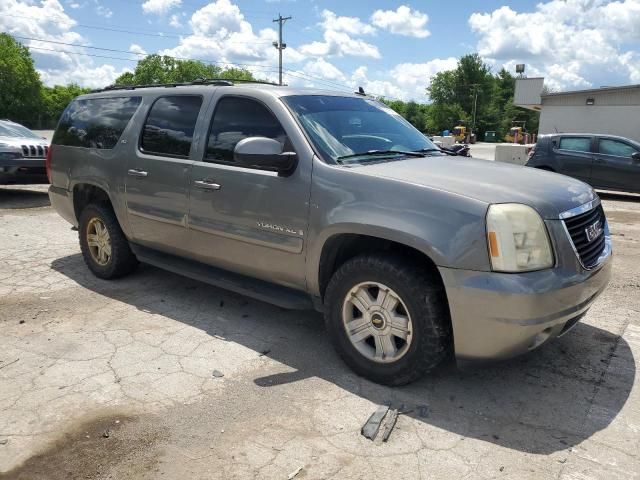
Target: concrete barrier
(512, 153)
(445, 141)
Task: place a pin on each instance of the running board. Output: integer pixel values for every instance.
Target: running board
(260, 290)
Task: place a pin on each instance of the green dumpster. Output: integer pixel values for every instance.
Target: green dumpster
(490, 137)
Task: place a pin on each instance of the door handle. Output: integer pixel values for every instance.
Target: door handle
(136, 172)
(600, 161)
(207, 185)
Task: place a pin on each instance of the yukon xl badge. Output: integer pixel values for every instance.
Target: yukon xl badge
(593, 231)
(280, 228)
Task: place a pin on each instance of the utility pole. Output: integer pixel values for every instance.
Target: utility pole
(475, 105)
(279, 45)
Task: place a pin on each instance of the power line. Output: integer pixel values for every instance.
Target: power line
(254, 65)
(157, 34)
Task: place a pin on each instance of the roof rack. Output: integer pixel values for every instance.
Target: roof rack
(227, 82)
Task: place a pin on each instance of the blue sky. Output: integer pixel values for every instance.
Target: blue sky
(391, 48)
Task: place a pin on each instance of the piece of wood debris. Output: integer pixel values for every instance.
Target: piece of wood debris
(370, 428)
(294, 473)
(392, 418)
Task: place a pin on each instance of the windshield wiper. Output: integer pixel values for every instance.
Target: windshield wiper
(441, 150)
(381, 152)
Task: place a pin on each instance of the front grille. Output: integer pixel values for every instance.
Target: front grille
(588, 251)
(34, 151)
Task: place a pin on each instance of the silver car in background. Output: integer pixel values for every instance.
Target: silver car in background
(22, 155)
(304, 198)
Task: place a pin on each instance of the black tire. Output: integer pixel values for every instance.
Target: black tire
(424, 297)
(122, 260)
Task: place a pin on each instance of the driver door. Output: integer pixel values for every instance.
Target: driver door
(242, 219)
(614, 167)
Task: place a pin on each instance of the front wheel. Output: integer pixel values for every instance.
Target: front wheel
(387, 318)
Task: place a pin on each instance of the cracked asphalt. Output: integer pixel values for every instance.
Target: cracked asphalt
(114, 380)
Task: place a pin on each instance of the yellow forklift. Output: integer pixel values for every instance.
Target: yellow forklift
(517, 132)
(463, 134)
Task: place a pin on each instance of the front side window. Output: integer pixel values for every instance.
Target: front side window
(342, 127)
(95, 122)
(236, 118)
(575, 144)
(170, 125)
(614, 147)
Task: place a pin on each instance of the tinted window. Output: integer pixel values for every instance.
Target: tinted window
(576, 144)
(95, 122)
(170, 125)
(236, 118)
(614, 147)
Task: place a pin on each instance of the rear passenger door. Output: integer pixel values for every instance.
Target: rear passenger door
(243, 219)
(614, 168)
(574, 156)
(158, 173)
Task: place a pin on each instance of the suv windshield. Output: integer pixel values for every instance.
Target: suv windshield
(16, 130)
(360, 129)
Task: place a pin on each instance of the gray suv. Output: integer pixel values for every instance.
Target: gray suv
(606, 162)
(307, 198)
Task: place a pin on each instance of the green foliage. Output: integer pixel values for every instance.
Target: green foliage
(163, 69)
(55, 100)
(415, 113)
(453, 94)
(19, 82)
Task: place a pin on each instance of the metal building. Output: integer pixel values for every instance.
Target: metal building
(606, 110)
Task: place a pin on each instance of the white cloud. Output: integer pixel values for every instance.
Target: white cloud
(352, 25)
(340, 44)
(137, 49)
(405, 81)
(160, 7)
(339, 41)
(103, 11)
(221, 33)
(570, 42)
(48, 20)
(175, 22)
(402, 21)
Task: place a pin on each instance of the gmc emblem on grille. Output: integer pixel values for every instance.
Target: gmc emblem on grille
(593, 231)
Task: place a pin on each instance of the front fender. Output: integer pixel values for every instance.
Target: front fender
(448, 228)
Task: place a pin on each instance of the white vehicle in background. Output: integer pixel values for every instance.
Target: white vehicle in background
(22, 155)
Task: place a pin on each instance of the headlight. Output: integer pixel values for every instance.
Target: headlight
(518, 240)
(9, 155)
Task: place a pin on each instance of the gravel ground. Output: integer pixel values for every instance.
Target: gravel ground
(115, 380)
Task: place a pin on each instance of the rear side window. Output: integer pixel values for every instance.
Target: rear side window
(236, 118)
(614, 147)
(95, 122)
(575, 144)
(170, 125)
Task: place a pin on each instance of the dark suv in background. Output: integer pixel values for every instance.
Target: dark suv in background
(605, 162)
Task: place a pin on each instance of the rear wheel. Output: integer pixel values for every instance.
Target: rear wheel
(387, 318)
(104, 246)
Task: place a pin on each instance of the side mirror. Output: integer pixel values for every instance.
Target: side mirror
(636, 156)
(264, 154)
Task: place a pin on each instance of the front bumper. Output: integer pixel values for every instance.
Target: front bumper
(501, 315)
(23, 170)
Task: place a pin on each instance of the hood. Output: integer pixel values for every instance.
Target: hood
(19, 141)
(491, 182)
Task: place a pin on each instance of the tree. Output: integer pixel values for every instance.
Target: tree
(55, 100)
(471, 86)
(19, 82)
(163, 69)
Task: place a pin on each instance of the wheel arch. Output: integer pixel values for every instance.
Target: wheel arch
(89, 191)
(338, 247)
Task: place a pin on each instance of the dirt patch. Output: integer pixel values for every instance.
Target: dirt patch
(91, 449)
